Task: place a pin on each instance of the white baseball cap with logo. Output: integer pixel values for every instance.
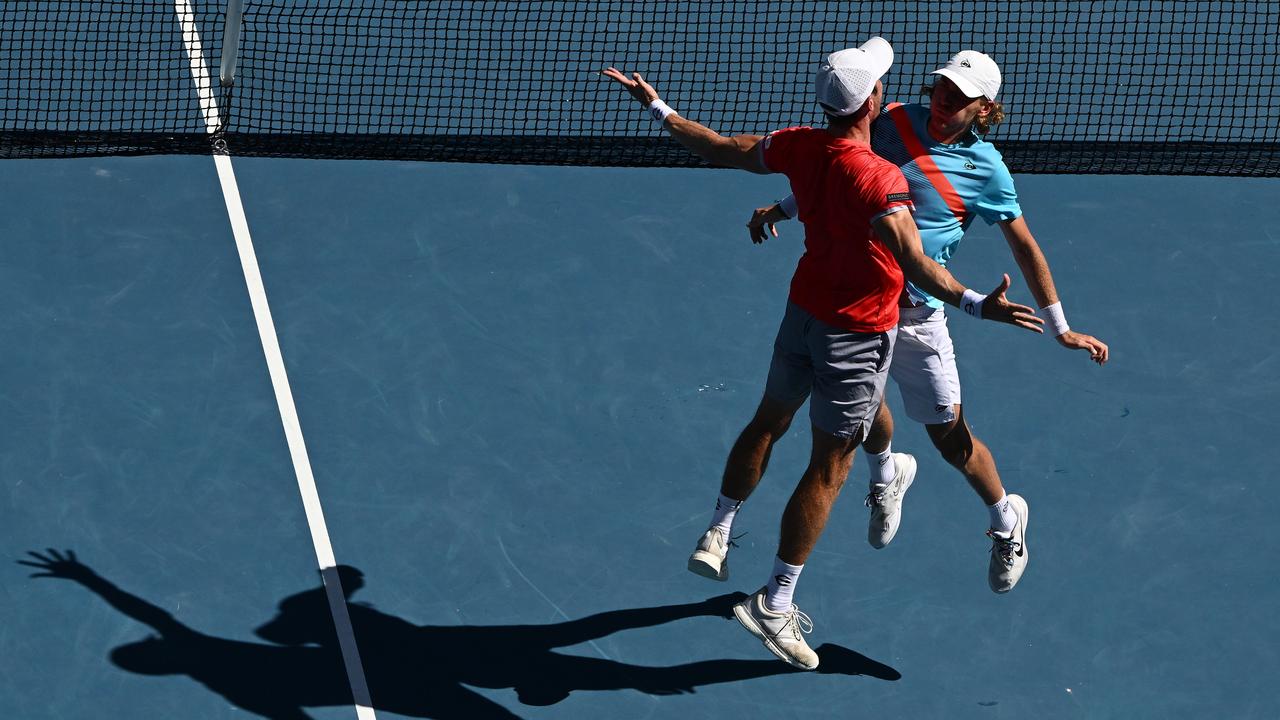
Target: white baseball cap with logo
(847, 78)
(975, 73)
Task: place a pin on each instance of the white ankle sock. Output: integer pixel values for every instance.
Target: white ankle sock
(722, 519)
(777, 594)
(1002, 517)
(882, 467)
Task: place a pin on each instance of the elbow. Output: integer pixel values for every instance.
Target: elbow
(740, 152)
(913, 268)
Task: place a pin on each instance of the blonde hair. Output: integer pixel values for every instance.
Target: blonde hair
(981, 124)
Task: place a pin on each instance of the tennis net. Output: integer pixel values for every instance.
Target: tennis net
(1110, 86)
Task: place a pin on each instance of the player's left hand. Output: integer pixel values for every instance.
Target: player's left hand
(642, 91)
(1098, 351)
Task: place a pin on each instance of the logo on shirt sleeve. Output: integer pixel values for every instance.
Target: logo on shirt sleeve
(898, 197)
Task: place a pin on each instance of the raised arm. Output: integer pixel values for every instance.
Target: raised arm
(740, 151)
(54, 564)
(1035, 270)
(899, 233)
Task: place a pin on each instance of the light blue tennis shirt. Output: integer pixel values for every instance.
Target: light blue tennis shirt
(973, 167)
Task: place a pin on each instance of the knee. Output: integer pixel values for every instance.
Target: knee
(956, 447)
(772, 426)
(830, 463)
(831, 476)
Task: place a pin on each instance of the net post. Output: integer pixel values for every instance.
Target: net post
(231, 42)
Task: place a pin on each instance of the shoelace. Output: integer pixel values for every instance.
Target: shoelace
(876, 499)
(1004, 547)
(731, 542)
(800, 623)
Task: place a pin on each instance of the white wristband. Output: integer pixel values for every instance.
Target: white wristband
(1055, 320)
(789, 206)
(971, 303)
(660, 111)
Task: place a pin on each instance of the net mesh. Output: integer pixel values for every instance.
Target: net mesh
(1119, 86)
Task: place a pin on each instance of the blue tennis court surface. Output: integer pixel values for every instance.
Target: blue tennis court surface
(518, 387)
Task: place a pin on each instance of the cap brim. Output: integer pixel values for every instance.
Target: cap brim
(881, 55)
(968, 88)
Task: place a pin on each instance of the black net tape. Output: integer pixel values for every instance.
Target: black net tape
(1114, 86)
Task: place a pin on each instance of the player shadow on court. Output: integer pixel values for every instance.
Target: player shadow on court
(415, 670)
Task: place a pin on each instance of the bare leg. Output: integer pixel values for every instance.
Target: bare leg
(969, 455)
(750, 454)
(881, 433)
(810, 504)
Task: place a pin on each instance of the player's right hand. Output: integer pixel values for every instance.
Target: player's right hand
(997, 307)
(761, 219)
(54, 564)
(642, 91)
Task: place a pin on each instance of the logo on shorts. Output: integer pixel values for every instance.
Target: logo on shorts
(968, 165)
(941, 408)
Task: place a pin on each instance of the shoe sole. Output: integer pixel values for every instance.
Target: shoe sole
(700, 563)
(745, 620)
(1026, 554)
(906, 486)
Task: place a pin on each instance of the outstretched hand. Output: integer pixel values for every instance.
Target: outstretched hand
(997, 307)
(55, 564)
(1098, 350)
(642, 91)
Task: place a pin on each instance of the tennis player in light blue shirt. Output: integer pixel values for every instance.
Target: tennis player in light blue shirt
(954, 175)
(972, 166)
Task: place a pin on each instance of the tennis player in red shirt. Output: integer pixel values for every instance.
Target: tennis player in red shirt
(836, 337)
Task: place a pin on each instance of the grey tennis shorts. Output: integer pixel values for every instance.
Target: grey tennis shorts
(843, 373)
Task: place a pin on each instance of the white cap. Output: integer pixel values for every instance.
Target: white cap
(975, 73)
(847, 78)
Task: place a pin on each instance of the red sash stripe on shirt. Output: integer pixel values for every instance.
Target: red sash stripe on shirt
(926, 164)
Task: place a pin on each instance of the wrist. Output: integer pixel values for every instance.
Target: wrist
(660, 111)
(971, 302)
(1054, 320)
(788, 206)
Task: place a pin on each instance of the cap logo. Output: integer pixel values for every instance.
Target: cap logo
(965, 63)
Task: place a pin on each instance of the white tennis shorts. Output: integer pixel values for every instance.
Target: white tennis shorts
(924, 366)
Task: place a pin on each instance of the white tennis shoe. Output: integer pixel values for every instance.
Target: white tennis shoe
(1009, 550)
(711, 558)
(782, 633)
(886, 505)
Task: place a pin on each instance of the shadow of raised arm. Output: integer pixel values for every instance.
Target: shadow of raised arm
(65, 566)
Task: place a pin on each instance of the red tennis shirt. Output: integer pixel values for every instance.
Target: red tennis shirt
(846, 277)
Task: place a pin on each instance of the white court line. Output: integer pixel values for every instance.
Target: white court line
(279, 378)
